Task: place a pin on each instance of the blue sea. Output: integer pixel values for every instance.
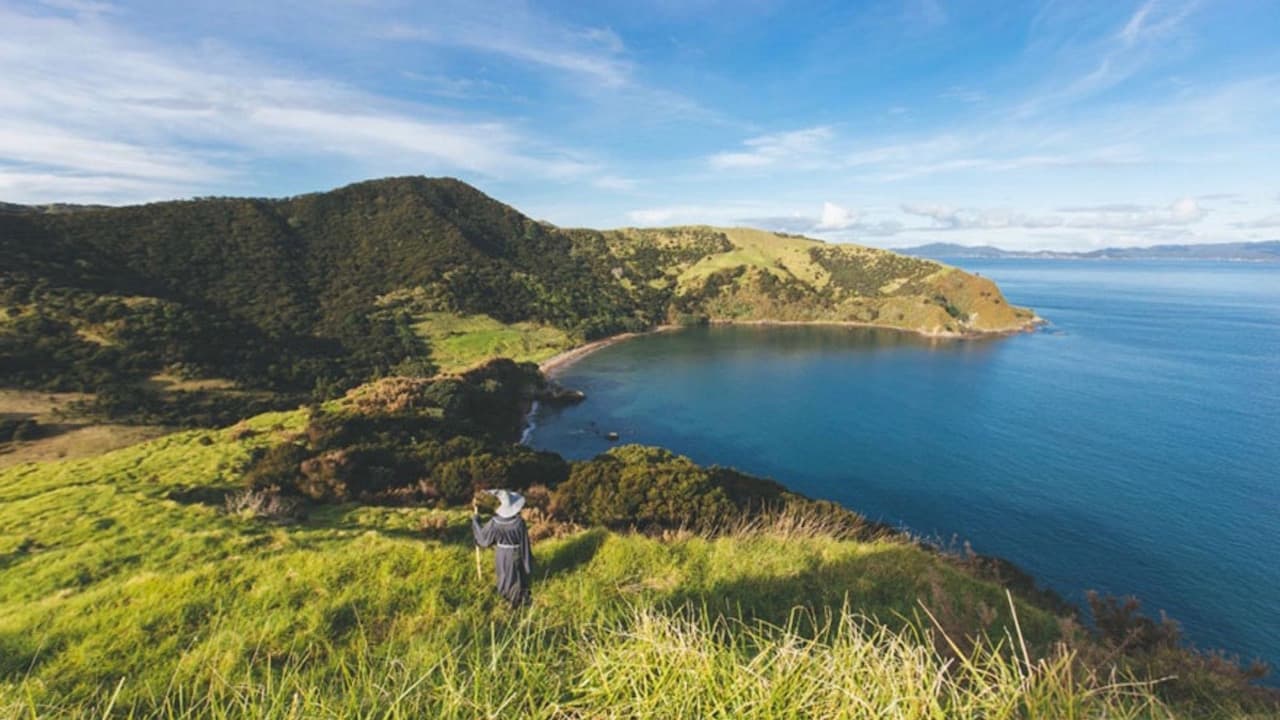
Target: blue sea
(1131, 446)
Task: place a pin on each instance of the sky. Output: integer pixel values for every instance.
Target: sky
(1064, 124)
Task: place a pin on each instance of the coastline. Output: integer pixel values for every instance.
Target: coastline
(553, 365)
(1029, 326)
(556, 363)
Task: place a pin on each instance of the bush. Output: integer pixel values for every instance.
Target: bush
(278, 466)
(19, 429)
(1122, 624)
(265, 503)
(634, 486)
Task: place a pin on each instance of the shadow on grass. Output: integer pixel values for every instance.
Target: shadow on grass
(888, 584)
(571, 554)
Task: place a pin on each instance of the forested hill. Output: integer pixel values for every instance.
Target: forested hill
(315, 293)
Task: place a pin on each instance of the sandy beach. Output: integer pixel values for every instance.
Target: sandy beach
(551, 366)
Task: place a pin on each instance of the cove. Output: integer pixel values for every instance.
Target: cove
(1131, 446)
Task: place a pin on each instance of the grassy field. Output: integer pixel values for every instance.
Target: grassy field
(126, 589)
(461, 341)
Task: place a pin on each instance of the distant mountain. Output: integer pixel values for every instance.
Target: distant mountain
(1267, 251)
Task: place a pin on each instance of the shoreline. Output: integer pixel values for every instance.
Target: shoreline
(553, 365)
(556, 363)
(1029, 326)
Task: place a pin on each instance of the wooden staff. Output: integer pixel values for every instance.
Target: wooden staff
(475, 508)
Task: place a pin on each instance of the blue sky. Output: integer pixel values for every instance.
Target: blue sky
(1061, 124)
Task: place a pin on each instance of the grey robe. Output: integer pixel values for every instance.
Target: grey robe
(514, 558)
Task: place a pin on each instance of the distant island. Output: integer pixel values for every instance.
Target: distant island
(1265, 251)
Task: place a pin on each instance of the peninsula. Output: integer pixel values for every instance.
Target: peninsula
(316, 293)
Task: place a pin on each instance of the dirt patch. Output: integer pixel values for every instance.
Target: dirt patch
(63, 434)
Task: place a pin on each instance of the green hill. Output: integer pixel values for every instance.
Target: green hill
(317, 563)
(284, 300)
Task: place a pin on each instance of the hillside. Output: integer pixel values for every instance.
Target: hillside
(266, 303)
(317, 563)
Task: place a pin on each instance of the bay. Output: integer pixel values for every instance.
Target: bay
(1131, 446)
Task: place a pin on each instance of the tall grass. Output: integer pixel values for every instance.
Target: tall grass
(122, 594)
(645, 663)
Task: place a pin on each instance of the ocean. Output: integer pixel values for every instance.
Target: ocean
(1131, 446)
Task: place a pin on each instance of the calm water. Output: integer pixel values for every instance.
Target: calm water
(1133, 446)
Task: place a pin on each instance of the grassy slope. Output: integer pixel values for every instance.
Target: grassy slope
(460, 341)
(110, 585)
(774, 253)
(903, 296)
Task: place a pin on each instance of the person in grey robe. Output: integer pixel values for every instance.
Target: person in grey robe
(514, 559)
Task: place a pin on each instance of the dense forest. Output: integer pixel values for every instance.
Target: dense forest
(301, 298)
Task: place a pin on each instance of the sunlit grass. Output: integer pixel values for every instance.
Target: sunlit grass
(126, 590)
(643, 663)
(460, 341)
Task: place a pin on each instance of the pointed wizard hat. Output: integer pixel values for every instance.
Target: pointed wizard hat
(509, 502)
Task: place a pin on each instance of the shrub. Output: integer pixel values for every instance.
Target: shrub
(19, 429)
(265, 503)
(278, 466)
(641, 487)
(1122, 624)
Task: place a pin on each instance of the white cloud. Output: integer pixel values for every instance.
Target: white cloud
(835, 217)
(163, 122)
(795, 149)
(834, 222)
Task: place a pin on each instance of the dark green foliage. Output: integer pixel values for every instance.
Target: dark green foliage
(951, 309)
(135, 404)
(863, 276)
(281, 294)
(19, 429)
(1121, 623)
(1153, 649)
(642, 487)
(277, 467)
(405, 439)
(691, 301)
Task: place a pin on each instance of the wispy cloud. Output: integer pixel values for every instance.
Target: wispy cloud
(1269, 221)
(963, 94)
(142, 121)
(796, 148)
(1184, 211)
(923, 15)
(1144, 37)
(687, 214)
(515, 32)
